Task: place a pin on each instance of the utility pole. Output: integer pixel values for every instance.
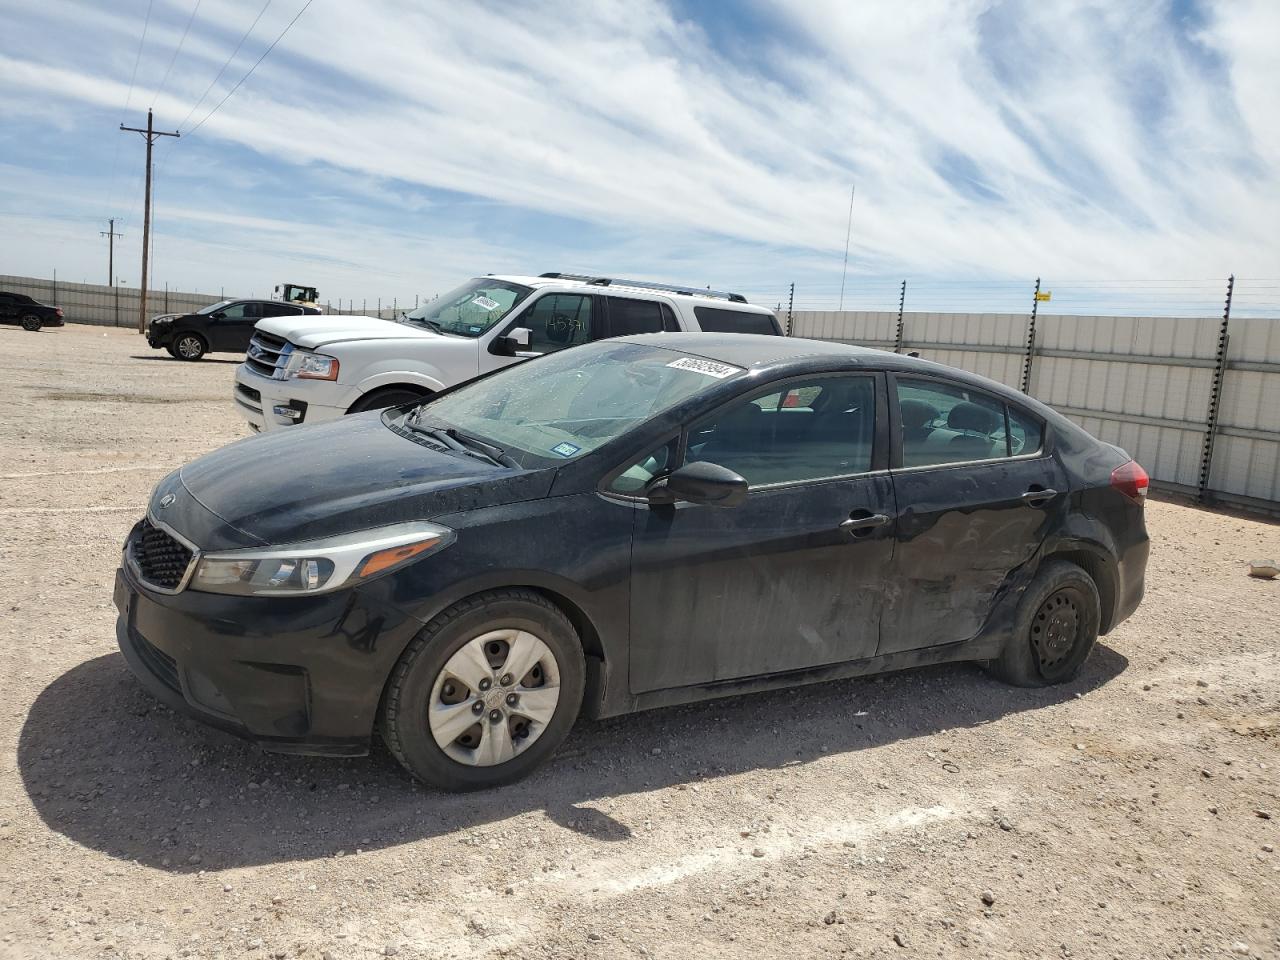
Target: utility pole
(150, 134)
(110, 234)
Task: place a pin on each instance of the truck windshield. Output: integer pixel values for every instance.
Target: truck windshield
(566, 404)
(470, 309)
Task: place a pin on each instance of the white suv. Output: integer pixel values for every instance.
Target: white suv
(315, 368)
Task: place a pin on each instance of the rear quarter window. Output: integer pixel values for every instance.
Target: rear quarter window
(719, 320)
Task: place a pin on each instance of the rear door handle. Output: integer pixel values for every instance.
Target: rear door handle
(862, 525)
(1038, 497)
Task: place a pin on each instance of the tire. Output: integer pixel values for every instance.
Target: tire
(387, 397)
(1055, 628)
(170, 351)
(31, 322)
(476, 638)
(190, 346)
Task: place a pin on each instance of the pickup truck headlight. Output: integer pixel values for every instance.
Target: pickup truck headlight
(315, 366)
(318, 566)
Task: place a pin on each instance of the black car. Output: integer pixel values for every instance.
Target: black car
(223, 327)
(30, 314)
(628, 524)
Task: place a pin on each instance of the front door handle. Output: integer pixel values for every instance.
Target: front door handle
(1038, 497)
(861, 523)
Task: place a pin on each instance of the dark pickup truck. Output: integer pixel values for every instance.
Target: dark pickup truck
(31, 314)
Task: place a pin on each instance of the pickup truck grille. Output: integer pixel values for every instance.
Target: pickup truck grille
(268, 355)
(159, 559)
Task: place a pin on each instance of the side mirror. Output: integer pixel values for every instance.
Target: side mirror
(700, 482)
(219, 316)
(518, 339)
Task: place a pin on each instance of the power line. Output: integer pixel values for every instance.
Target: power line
(251, 69)
(115, 153)
(214, 81)
(176, 50)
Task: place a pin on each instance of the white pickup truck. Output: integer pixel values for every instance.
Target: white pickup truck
(310, 369)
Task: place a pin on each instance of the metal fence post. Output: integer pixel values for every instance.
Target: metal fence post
(791, 303)
(1031, 341)
(1215, 396)
(902, 302)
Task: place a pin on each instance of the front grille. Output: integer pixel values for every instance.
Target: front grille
(161, 561)
(158, 662)
(268, 355)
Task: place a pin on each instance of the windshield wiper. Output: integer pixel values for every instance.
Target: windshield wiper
(492, 451)
(461, 443)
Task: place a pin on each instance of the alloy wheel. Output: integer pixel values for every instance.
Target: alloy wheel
(189, 348)
(494, 697)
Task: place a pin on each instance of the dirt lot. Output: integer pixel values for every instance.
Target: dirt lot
(1132, 814)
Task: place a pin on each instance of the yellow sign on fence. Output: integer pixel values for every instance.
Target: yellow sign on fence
(1044, 295)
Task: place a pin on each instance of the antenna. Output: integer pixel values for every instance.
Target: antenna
(848, 231)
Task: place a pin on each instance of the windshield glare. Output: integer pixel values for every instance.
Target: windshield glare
(564, 405)
(213, 307)
(470, 309)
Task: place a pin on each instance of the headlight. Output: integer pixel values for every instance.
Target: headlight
(314, 366)
(318, 566)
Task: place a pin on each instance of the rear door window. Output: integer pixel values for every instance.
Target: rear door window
(719, 320)
(627, 317)
(944, 422)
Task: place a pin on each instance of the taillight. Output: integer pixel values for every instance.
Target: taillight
(1131, 480)
(58, 310)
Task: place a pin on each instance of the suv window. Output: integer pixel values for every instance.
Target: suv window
(808, 431)
(719, 320)
(953, 423)
(558, 320)
(280, 310)
(237, 311)
(633, 316)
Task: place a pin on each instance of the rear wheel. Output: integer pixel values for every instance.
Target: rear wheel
(486, 693)
(31, 322)
(387, 397)
(190, 346)
(1055, 630)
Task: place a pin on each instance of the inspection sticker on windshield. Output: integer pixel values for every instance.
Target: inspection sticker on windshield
(485, 303)
(708, 368)
(565, 449)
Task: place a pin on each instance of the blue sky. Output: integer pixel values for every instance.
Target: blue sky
(393, 148)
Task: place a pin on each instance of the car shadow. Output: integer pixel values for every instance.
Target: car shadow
(168, 359)
(110, 768)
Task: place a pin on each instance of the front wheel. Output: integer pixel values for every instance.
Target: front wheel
(31, 322)
(1055, 628)
(387, 397)
(189, 346)
(486, 693)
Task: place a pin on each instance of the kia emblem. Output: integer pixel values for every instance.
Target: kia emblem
(167, 499)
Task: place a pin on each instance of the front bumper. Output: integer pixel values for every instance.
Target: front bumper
(269, 404)
(295, 675)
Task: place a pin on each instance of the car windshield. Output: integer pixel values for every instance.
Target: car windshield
(566, 404)
(214, 307)
(471, 309)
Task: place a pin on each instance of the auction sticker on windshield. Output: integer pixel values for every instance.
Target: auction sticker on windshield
(709, 368)
(565, 449)
(485, 303)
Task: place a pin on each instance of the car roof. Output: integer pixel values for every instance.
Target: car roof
(621, 286)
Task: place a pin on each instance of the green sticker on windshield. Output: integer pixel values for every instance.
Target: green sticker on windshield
(565, 449)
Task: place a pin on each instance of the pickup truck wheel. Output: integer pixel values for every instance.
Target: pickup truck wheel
(386, 397)
(190, 346)
(31, 322)
(486, 692)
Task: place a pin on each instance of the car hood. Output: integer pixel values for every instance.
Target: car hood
(318, 481)
(317, 331)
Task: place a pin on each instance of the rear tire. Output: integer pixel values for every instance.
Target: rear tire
(486, 692)
(1055, 628)
(31, 322)
(387, 397)
(190, 346)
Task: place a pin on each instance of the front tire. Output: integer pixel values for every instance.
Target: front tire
(1055, 628)
(486, 692)
(190, 346)
(31, 322)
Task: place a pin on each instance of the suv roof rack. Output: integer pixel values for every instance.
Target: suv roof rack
(646, 285)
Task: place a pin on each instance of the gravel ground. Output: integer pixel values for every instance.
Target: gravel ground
(1131, 814)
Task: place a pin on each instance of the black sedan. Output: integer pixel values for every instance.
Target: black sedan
(628, 524)
(223, 327)
(28, 313)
